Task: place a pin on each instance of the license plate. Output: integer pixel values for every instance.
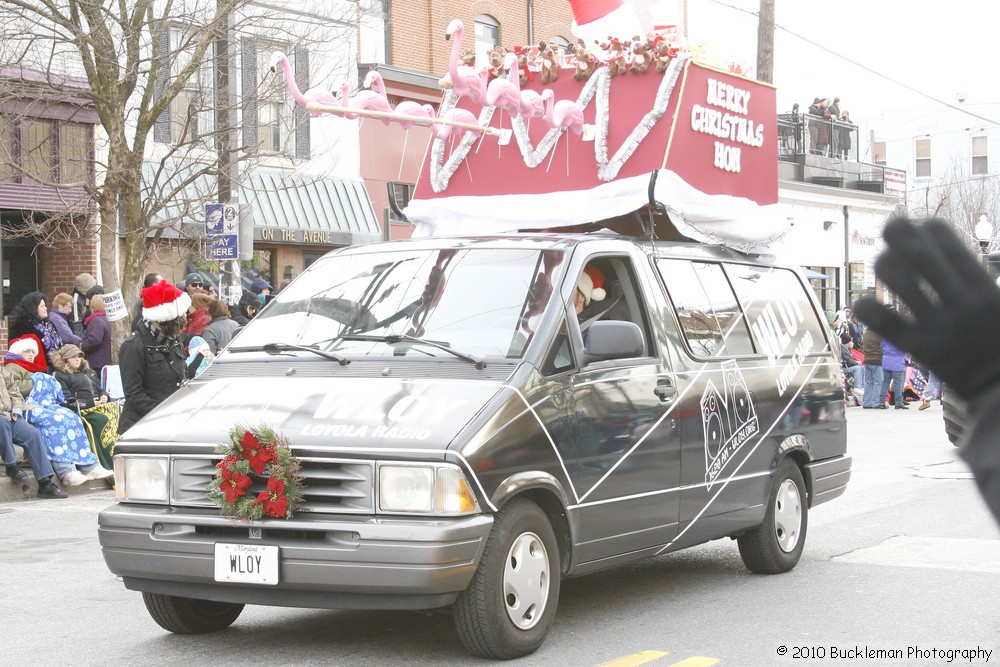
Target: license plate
(246, 564)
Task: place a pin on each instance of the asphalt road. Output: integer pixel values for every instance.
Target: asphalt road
(907, 562)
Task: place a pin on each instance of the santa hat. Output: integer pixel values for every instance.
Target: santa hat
(600, 20)
(591, 284)
(21, 345)
(163, 302)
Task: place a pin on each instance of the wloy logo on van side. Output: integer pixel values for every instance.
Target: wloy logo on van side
(777, 328)
(398, 422)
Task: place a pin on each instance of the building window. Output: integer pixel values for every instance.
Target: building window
(191, 111)
(36, 150)
(980, 161)
(274, 116)
(487, 36)
(74, 153)
(879, 153)
(560, 44)
(922, 158)
(6, 149)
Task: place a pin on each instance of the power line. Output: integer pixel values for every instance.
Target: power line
(860, 65)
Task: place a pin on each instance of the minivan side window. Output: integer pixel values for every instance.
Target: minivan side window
(560, 355)
(706, 306)
(781, 316)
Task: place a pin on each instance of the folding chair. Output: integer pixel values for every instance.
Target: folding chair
(111, 381)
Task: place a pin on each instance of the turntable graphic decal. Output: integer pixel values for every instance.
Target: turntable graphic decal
(728, 417)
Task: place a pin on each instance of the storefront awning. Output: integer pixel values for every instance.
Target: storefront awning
(328, 210)
(284, 208)
(814, 275)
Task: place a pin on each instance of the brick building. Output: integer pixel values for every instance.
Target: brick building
(412, 55)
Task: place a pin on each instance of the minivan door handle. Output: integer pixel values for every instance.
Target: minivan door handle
(665, 390)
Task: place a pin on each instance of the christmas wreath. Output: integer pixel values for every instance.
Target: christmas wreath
(256, 453)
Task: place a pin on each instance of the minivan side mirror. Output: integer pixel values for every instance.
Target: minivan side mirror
(613, 339)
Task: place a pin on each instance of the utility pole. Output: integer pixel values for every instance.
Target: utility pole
(765, 42)
(225, 126)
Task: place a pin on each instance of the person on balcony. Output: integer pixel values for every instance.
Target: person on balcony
(845, 134)
(814, 120)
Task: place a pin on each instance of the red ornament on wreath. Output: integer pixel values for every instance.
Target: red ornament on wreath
(250, 456)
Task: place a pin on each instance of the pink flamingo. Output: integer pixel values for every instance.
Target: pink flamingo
(503, 93)
(381, 103)
(566, 113)
(365, 99)
(455, 115)
(315, 95)
(532, 105)
(415, 110)
(465, 80)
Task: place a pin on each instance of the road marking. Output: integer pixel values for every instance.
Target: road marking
(635, 659)
(643, 657)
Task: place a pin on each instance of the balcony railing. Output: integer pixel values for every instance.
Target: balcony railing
(825, 152)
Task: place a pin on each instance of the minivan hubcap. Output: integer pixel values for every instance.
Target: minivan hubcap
(787, 515)
(526, 580)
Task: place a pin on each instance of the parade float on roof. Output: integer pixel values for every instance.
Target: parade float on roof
(636, 134)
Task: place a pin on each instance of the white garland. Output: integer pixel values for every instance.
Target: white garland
(599, 86)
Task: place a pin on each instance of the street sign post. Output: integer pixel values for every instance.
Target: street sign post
(222, 227)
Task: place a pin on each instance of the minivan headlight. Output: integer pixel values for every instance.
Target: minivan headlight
(142, 478)
(424, 489)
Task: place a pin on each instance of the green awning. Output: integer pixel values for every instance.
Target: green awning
(339, 208)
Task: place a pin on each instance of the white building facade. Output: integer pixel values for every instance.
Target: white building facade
(952, 157)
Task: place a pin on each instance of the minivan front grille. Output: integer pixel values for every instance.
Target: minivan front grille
(328, 485)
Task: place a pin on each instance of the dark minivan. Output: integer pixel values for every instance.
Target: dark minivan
(468, 439)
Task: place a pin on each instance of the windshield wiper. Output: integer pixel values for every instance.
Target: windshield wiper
(394, 339)
(278, 348)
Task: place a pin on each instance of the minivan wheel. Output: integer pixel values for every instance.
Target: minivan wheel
(187, 616)
(776, 545)
(509, 605)
(955, 415)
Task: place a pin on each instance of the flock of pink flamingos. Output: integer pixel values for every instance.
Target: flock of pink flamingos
(503, 93)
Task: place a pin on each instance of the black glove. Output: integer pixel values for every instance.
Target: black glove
(953, 324)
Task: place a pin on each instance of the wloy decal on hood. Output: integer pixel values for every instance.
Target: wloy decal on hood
(371, 412)
(729, 419)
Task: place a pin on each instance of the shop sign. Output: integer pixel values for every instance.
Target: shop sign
(271, 234)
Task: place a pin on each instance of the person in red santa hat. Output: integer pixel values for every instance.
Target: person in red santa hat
(153, 359)
(589, 287)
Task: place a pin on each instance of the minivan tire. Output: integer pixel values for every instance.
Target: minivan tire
(508, 607)
(775, 546)
(955, 415)
(187, 616)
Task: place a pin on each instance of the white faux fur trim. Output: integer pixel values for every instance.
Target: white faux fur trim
(168, 311)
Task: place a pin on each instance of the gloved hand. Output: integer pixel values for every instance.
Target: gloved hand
(953, 323)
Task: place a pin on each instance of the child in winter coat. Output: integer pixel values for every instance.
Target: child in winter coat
(83, 391)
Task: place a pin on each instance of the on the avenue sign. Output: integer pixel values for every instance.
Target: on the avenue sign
(318, 237)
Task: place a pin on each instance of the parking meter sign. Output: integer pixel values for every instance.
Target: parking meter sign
(222, 247)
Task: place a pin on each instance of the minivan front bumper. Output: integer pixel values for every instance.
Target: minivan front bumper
(330, 562)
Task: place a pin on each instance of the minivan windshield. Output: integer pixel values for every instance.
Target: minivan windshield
(479, 302)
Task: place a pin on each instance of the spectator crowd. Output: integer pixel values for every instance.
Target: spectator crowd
(53, 396)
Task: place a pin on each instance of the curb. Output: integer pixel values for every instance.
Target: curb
(11, 492)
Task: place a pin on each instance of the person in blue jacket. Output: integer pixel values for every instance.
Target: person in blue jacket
(893, 373)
